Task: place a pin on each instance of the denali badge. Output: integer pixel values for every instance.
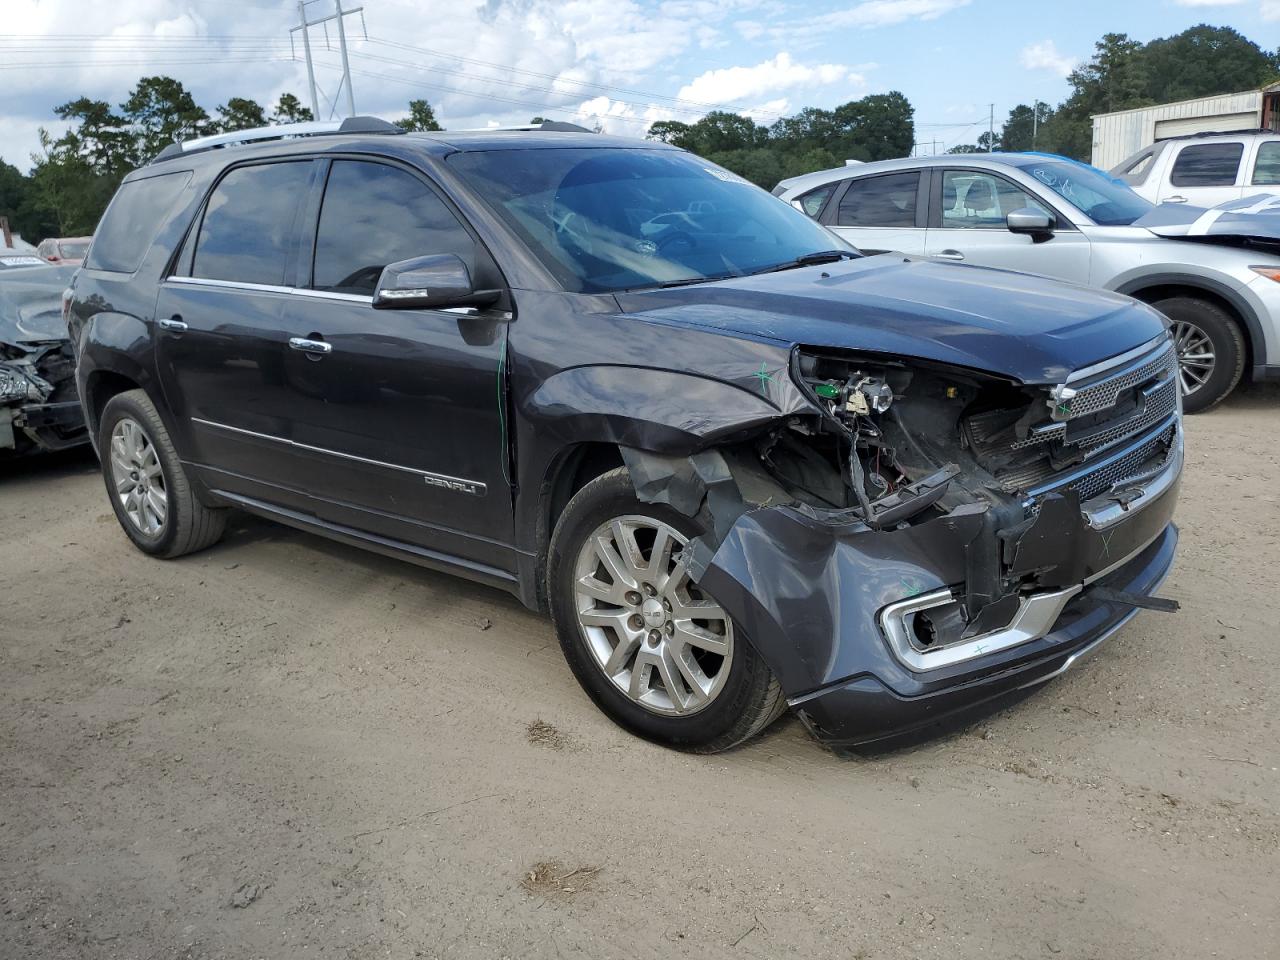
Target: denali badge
(473, 487)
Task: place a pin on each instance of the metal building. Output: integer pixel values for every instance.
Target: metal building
(1118, 135)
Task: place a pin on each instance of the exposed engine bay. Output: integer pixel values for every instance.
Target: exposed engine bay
(1018, 484)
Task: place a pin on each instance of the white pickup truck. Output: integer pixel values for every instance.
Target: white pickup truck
(1205, 169)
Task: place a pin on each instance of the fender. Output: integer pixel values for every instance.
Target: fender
(115, 343)
(1129, 284)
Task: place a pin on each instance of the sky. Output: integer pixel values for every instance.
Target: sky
(619, 63)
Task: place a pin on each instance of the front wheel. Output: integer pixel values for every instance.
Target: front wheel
(1210, 350)
(657, 654)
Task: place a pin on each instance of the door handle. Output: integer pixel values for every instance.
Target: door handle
(1175, 199)
(314, 347)
(174, 323)
(950, 255)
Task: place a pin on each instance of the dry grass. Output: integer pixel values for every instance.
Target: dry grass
(551, 878)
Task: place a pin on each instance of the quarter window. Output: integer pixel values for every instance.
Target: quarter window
(888, 201)
(1207, 165)
(981, 201)
(248, 230)
(1266, 169)
(813, 201)
(374, 215)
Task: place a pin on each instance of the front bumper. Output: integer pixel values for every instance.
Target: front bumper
(28, 427)
(811, 594)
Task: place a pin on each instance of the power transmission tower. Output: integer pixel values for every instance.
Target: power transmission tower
(305, 26)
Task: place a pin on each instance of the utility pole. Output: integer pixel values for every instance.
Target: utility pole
(311, 72)
(339, 14)
(991, 130)
(1035, 122)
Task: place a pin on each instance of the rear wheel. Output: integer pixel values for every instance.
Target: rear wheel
(148, 488)
(1210, 350)
(658, 655)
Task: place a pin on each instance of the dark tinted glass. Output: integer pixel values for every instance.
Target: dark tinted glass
(132, 221)
(888, 201)
(1207, 165)
(374, 215)
(249, 225)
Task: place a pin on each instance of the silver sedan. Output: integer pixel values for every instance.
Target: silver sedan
(1056, 217)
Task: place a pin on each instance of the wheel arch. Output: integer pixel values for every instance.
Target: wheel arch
(1155, 287)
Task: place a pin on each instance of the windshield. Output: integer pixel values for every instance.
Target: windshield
(1105, 200)
(602, 219)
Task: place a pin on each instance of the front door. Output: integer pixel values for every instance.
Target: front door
(968, 226)
(397, 415)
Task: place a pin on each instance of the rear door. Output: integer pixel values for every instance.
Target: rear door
(1205, 174)
(967, 224)
(220, 334)
(880, 213)
(398, 424)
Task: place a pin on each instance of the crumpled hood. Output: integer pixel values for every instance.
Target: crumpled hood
(31, 303)
(1250, 221)
(1028, 328)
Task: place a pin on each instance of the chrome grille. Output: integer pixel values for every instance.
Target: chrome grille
(1104, 425)
(1095, 480)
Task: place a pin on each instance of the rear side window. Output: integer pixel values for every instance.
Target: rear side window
(374, 215)
(1266, 169)
(1207, 165)
(888, 201)
(136, 214)
(249, 225)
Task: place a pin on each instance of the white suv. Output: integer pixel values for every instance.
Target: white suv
(1205, 169)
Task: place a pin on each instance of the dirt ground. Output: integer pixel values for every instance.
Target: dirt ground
(284, 748)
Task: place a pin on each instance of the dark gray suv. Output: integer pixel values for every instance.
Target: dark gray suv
(743, 467)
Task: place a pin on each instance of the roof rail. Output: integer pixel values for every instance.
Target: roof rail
(372, 125)
(547, 126)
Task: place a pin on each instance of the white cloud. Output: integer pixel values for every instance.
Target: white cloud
(1208, 3)
(885, 13)
(781, 73)
(1270, 10)
(1045, 56)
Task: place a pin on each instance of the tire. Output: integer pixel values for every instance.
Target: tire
(187, 524)
(740, 697)
(1196, 322)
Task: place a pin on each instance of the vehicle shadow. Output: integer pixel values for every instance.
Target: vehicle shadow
(1252, 396)
(49, 466)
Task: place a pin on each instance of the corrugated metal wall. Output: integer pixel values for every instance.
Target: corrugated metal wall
(1117, 135)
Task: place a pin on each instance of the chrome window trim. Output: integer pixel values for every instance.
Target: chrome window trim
(269, 288)
(460, 484)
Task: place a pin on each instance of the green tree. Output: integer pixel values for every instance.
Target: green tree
(1203, 61)
(289, 109)
(240, 114)
(1022, 129)
(100, 137)
(421, 118)
(162, 111)
(65, 190)
(669, 131)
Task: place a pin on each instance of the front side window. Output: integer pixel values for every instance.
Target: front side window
(1207, 165)
(249, 226)
(603, 219)
(888, 201)
(975, 200)
(373, 215)
(1266, 169)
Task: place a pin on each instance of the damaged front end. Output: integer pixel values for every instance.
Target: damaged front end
(930, 538)
(39, 408)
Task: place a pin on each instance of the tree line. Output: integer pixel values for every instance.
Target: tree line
(74, 175)
(1123, 74)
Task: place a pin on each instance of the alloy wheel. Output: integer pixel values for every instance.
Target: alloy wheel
(138, 479)
(657, 637)
(1196, 357)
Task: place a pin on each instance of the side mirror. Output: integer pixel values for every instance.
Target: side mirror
(1034, 223)
(434, 282)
